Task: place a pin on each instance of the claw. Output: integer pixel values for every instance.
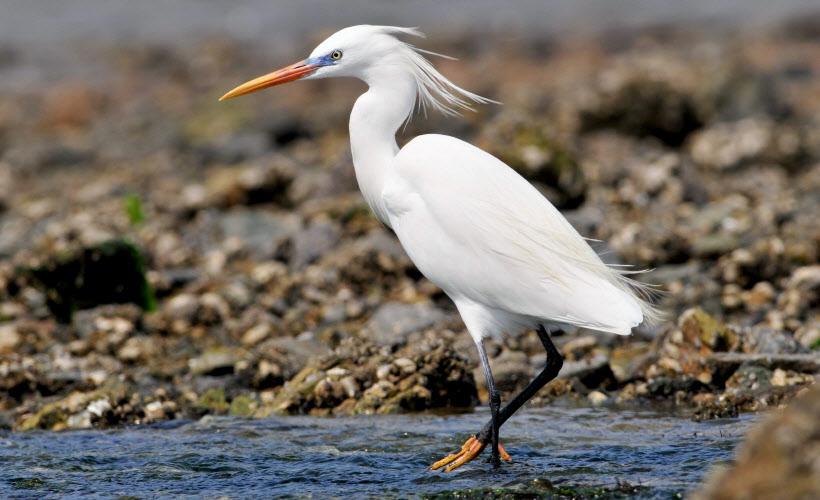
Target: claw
(471, 449)
(504, 455)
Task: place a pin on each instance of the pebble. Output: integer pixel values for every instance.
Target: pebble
(597, 398)
(183, 306)
(9, 338)
(212, 363)
(256, 334)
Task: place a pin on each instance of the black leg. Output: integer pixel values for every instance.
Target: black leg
(495, 403)
(551, 369)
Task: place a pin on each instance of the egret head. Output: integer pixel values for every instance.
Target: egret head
(356, 50)
(349, 52)
(372, 53)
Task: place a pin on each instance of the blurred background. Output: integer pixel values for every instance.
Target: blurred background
(166, 256)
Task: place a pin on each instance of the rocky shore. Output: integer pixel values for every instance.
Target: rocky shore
(165, 256)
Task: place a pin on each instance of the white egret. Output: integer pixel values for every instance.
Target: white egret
(474, 227)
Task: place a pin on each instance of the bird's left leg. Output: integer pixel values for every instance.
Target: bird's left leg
(494, 400)
(473, 447)
(476, 444)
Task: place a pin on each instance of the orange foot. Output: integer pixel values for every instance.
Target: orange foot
(471, 449)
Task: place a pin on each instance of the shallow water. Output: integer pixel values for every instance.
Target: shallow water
(364, 456)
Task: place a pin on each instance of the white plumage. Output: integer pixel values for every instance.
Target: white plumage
(496, 246)
(472, 225)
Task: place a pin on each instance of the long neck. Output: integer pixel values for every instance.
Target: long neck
(376, 116)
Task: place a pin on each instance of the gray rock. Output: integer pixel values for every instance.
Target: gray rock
(260, 232)
(769, 341)
(750, 377)
(801, 362)
(292, 354)
(312, 243)
(511, 371)
(592, 371)
(393, 322)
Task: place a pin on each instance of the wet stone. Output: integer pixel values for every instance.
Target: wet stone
(786, 447)
(214, 400)
(666, 386)
(243, 406)
(597, 398)
(750, 378)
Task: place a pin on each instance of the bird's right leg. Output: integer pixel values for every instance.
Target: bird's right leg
(476, 444)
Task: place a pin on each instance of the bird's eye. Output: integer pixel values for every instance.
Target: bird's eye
(336, 55)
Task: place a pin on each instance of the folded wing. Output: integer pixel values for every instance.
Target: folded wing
(482, 232)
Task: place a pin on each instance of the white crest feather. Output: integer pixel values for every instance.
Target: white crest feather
(434, 89)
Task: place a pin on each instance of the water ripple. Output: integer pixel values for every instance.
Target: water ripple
(366, 456)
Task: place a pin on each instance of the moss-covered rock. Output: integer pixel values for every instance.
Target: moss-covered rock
(214, 400)
(361, 378)
(243, 406)
(111, 272)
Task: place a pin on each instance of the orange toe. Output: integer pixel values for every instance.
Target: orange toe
(504, 455)
(471, 449)
(449, 458)
(475, 449)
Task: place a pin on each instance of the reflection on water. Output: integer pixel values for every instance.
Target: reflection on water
(365, 456)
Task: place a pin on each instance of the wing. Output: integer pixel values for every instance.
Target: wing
(482, 232)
